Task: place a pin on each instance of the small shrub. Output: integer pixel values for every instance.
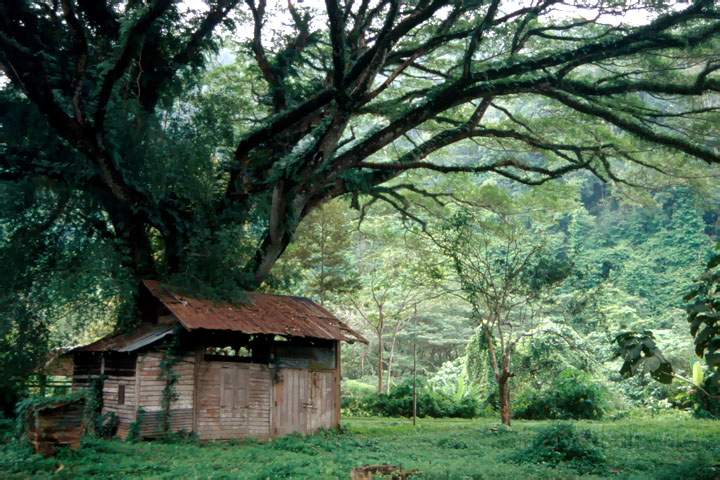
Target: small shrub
(106, 425)
(572, 395)
(453, 443)
(135, 429)
(180, 437)
(563, 443)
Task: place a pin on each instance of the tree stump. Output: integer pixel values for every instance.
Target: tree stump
(370, 472)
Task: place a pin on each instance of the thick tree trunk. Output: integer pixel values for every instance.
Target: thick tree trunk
(134, 242)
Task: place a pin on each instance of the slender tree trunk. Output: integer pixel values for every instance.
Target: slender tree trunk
(504, 390)
(322, 258)
(380, 368)
(502, 377)
(389, 366)
(390, 360)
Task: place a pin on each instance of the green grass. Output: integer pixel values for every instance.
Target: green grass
(642, 448)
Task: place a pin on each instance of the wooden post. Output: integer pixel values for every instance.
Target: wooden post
(196, 389)
(338, 381)
(415, 367)
(138, 388)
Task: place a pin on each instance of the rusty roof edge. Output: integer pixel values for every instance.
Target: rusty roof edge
(317, 317)
(148, 339)
(155, 333)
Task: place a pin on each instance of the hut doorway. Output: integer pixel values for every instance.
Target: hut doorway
(304, 401)
(233, 400)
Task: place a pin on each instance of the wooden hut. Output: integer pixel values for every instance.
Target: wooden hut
(260, 369)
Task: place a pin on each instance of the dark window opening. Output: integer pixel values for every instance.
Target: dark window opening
(320, 357)
(121, 395)
(120, 364)
(229, 354)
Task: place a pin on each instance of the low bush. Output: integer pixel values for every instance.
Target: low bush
(398, 403)
(572, 395)
(106, 425)
(703, 403)
(563, 443)
(452, 443)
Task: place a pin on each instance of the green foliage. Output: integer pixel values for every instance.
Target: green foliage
(399, 402)
(95, 422)
(650, 253)
(171, 357)
(136, 426)
(700, 466)
(704, 316)
(563, 443)
(640, 354)
(7, 429)
(452, 443)
(62, 284)
(107, 425)
(356, 387)
(571, 395)
(319, 263)
(642, 448)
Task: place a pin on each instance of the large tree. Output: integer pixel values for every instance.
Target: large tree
(103, 105)
(508, 269)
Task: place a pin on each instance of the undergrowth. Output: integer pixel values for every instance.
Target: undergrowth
(633, 448)
(563, 443)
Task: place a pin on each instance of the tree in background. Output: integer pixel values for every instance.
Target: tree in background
(506, 271)
(320, 264)
(390, 292)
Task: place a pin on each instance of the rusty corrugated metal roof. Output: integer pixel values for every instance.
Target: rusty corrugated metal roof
(264, 314)
(145, 334)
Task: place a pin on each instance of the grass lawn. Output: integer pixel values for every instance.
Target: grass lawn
(643, 448)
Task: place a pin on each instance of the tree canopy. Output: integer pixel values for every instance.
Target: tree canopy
(121, 130)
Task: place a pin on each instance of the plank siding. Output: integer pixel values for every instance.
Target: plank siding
(126, 411)
(151, 386)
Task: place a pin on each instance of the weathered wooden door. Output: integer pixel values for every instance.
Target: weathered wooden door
(233, 400)
(304, 401)
(291, 397)
(321, 407)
